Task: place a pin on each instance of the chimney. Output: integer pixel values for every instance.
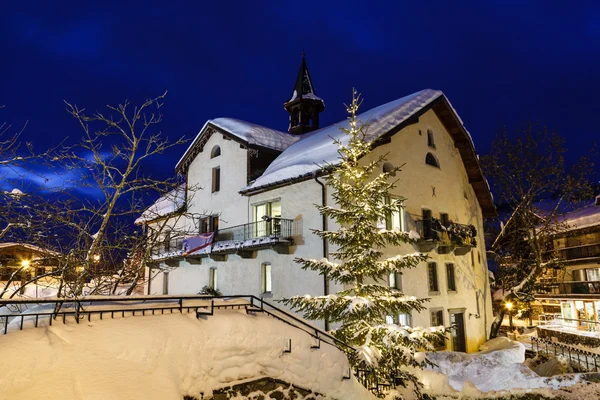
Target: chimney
(597, 200)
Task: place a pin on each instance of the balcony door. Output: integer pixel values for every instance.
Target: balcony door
(427, 224)
(267, 219)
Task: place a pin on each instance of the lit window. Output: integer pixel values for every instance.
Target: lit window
(431, 160)
(450, 277)
(216, 179)
(267, 219)
(215, 152)
(266, 278)
(403, 319)
(395, 219)
(432, 275)
(212, 280)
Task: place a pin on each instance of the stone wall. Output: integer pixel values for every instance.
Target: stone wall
(261, 389)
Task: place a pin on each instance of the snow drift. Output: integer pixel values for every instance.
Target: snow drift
(166, 357)
(498, 366)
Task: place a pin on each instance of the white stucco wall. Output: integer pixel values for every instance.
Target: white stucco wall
(453, 195)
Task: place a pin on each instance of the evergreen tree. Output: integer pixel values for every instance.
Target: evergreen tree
(361, 194)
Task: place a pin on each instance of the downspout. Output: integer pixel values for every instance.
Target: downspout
(325, 244)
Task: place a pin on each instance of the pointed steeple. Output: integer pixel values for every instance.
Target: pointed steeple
(304, 105)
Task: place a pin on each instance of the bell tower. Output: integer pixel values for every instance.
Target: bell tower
(304, 106)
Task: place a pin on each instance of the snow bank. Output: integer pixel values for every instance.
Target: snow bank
(499, 366)
(166, 357)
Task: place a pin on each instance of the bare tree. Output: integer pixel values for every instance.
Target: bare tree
(537, 187)
(98, 246)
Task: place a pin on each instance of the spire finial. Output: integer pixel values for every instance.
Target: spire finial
(303, 54)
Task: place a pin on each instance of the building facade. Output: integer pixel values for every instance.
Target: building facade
(573, 293)
(257, 208)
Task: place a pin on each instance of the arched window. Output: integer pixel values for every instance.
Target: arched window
(388, 167)
(431, 160)
(215, 152)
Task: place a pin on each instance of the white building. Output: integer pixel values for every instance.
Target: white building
(260, 187)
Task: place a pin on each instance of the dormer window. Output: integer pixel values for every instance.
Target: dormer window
(431, 160)
(430, 139)
(215, 152)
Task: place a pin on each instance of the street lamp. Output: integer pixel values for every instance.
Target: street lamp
(24, 267)
(509, 307)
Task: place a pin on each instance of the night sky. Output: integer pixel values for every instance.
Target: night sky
(499, 62)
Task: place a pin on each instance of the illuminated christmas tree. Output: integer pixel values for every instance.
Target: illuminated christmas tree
(361, 194)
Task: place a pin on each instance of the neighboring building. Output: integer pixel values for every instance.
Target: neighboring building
(32, 259)
(574, 292)
(260, 188)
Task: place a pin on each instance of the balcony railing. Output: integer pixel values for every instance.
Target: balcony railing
(579, 252)
(165, 248)
(447, 234)
(570, 287)
(275, 230)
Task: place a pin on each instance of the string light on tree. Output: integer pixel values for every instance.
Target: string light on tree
(361, 195)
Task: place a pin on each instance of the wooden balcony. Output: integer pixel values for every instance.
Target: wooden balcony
(446, 237)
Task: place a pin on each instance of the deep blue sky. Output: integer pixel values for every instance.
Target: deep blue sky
(499, 62)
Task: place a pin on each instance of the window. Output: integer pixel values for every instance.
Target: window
(450, 276)
(216, 179)
(431, 160)
(209, 224)
(437, 319)
(265, 279)
(404, 319)
(430, 141)
(212, 279)
(395, 220)
(433, 279)
(167, 241)
(166, 282)
(215, 152)
(267, 218)
(444, 219)
(395, 280)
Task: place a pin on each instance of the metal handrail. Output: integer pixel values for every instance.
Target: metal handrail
(81, 307)
(559, 349)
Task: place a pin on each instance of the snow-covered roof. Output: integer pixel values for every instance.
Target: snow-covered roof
(247, 132)
(167, 204)
(255, 134)
(586, 217)
(27, 246)
(317, 149)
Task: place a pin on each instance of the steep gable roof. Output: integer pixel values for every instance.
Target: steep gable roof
(242, 131)
(315, 150)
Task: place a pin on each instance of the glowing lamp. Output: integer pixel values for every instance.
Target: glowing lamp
(25, 264)
(509, 305)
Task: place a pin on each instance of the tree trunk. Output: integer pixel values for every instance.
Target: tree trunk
(497, 323)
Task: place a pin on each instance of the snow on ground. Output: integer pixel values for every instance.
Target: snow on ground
(497, 367)
(165, 357)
